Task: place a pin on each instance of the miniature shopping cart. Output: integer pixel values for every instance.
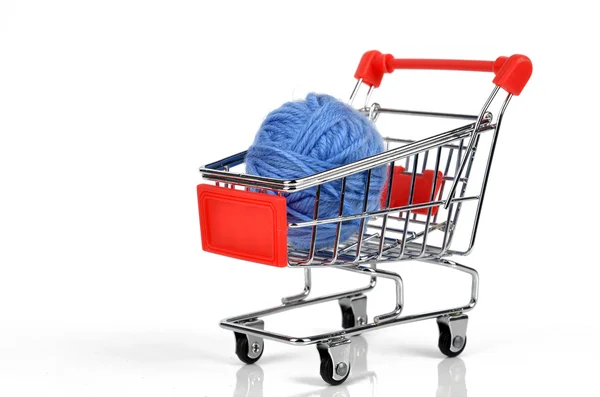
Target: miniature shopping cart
(431, 183)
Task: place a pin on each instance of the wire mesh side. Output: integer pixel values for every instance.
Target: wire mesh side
(414, 230)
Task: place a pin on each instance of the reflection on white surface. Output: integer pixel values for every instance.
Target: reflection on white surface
(249, 381)
(451, 377)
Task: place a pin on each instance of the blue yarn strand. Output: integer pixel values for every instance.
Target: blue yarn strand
(305, 137)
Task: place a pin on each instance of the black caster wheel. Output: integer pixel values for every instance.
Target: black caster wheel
(445, 342)
(354, 311)
(327, 370)
(247, 352)
(348, 320)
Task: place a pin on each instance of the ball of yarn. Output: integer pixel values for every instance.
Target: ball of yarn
(308, 136)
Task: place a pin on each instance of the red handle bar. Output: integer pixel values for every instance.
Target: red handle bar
(512, 73)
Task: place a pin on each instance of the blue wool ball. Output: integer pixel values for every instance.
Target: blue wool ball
(304, 137)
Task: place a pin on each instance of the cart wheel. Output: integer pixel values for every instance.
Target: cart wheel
(446, 343)
(335, 360)
(348, 320)
(247, 352)
(354, 311)
(327, 371)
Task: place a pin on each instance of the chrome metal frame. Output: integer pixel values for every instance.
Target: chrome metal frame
(382, 321)
(390, 234)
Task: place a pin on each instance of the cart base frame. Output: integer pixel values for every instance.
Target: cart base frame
(334, 347)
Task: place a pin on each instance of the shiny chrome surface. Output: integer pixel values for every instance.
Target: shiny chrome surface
(471, 144)
(420, 113)
(236, 323)
(304, 294)
(216, 171)
(255, 343)
(486, 176)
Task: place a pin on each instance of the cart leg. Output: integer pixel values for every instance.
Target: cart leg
(354, 311)
(249, 348)
(305, 292)
(335, 360)
(453, 334)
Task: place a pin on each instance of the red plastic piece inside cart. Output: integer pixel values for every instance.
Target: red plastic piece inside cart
(422, 194)
(243, 225)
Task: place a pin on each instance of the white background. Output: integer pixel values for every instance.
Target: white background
(107, 108)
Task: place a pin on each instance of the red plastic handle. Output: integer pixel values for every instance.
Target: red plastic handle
(512, 73)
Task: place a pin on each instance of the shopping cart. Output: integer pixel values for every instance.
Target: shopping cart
(429, 180)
